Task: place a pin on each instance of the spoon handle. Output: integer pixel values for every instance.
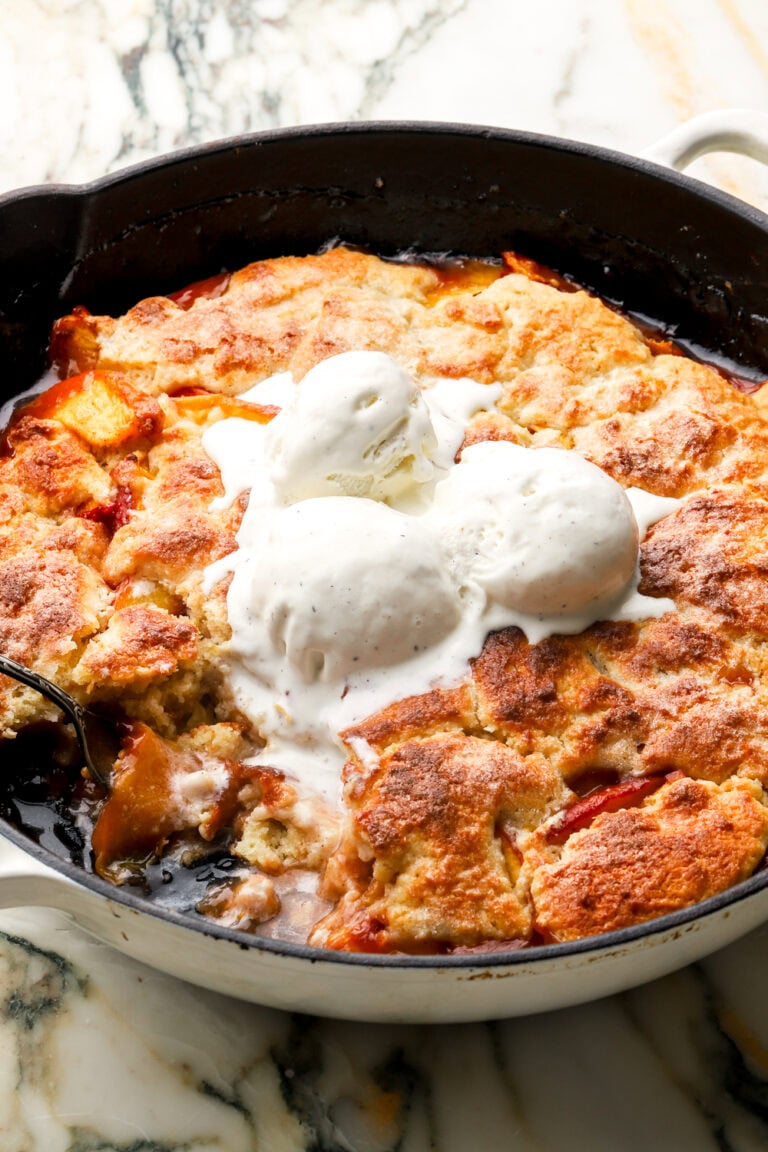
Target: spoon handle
(76, 713)
(45, 687)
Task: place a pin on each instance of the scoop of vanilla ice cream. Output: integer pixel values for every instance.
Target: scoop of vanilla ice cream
(542, 531)
(356, 426)
(336, 586)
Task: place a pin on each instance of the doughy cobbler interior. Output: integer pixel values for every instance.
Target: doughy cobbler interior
(431, 599)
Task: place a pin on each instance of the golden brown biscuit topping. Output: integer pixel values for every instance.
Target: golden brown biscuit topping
(565, 788)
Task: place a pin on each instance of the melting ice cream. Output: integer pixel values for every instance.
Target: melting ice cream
(371, 567)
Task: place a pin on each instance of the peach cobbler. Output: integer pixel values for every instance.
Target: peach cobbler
(430, 602)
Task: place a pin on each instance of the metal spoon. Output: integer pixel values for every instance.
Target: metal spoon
(99, 741)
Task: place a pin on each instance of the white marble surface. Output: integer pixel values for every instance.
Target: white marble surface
(98, 1054)
(87, 86)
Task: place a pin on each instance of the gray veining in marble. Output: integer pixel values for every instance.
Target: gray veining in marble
(99, 1053)
(87, 86)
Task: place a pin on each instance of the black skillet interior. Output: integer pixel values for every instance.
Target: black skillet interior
(653, 241)
(657, 243)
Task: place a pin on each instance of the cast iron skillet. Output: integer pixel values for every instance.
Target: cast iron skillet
(654, 241)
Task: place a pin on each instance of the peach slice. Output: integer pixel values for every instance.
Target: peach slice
(101, 408)
(626, 794)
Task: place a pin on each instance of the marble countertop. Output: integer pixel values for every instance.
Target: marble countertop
(99, 1054)
(88, 86)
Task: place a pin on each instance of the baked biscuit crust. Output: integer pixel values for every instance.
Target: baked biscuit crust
(439, 820)
(566, 788)
(690, 840)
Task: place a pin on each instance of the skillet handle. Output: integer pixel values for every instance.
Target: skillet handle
(24, 881)
(726, 130)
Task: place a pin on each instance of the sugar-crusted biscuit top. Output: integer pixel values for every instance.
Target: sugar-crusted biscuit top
(514, 807)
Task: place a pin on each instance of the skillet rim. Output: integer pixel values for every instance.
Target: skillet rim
(606, 941)
(402, 127)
